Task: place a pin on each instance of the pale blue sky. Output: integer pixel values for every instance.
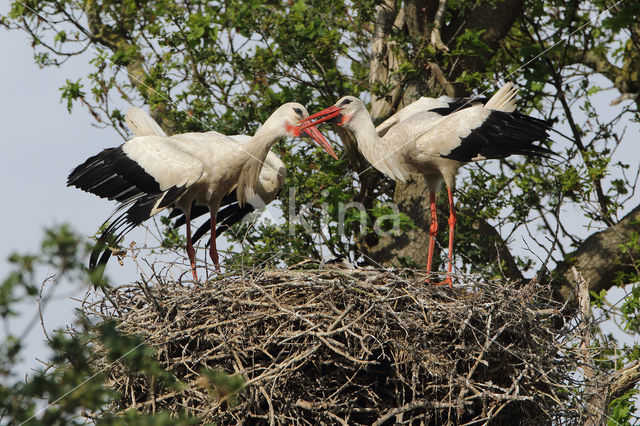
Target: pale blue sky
(41, 144)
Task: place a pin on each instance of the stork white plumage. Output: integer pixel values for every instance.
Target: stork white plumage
(270, 181)
(148, 174)
(435, 137)
(141, 124)
(443, 105)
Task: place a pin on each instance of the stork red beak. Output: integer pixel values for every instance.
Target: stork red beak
(324, 115)
(315, 134)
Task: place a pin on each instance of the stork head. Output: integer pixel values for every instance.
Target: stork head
(292, 115)
(341, 113)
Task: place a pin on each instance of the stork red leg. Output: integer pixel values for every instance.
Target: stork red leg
(433, 230)
(213, 251)
(190, 250)
(452, 224)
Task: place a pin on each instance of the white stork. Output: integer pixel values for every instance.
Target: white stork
(270, 181)
(150, 173)
(435, 137)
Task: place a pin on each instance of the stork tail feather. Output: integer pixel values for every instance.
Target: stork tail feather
(504, 98)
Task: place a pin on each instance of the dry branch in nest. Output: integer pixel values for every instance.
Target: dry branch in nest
(348, 346)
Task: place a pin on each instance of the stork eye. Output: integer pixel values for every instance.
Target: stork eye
(346, 101)
(298, 111)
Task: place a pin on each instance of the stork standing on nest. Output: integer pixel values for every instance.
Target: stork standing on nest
(270, 181)
(151, 173)
(435, 137)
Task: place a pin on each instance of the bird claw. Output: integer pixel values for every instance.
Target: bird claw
(446, 281)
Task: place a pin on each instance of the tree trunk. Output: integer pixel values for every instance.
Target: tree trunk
(423, 23)
(410, 245)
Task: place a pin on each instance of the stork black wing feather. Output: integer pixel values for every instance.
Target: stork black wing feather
(112, 174)
(199, 210)
(458, 104)
(226, 218)
(196, 211)
(139, 211)
(503, 134)
(234, 217)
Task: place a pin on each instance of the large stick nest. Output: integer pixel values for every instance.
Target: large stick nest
(348, 346)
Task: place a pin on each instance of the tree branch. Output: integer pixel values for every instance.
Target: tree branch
(497, 249)
(379, 69)
(436, 38)
(625, 78)
(600, 258)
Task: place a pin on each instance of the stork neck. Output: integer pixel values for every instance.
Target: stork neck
(383, 154)
(374, 148)
(256, 150)
(259, 145)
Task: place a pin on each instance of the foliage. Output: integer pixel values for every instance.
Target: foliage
(222, 386)
(622, 409)
(70, 386)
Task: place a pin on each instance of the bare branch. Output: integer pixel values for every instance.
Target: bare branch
(436, 39)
